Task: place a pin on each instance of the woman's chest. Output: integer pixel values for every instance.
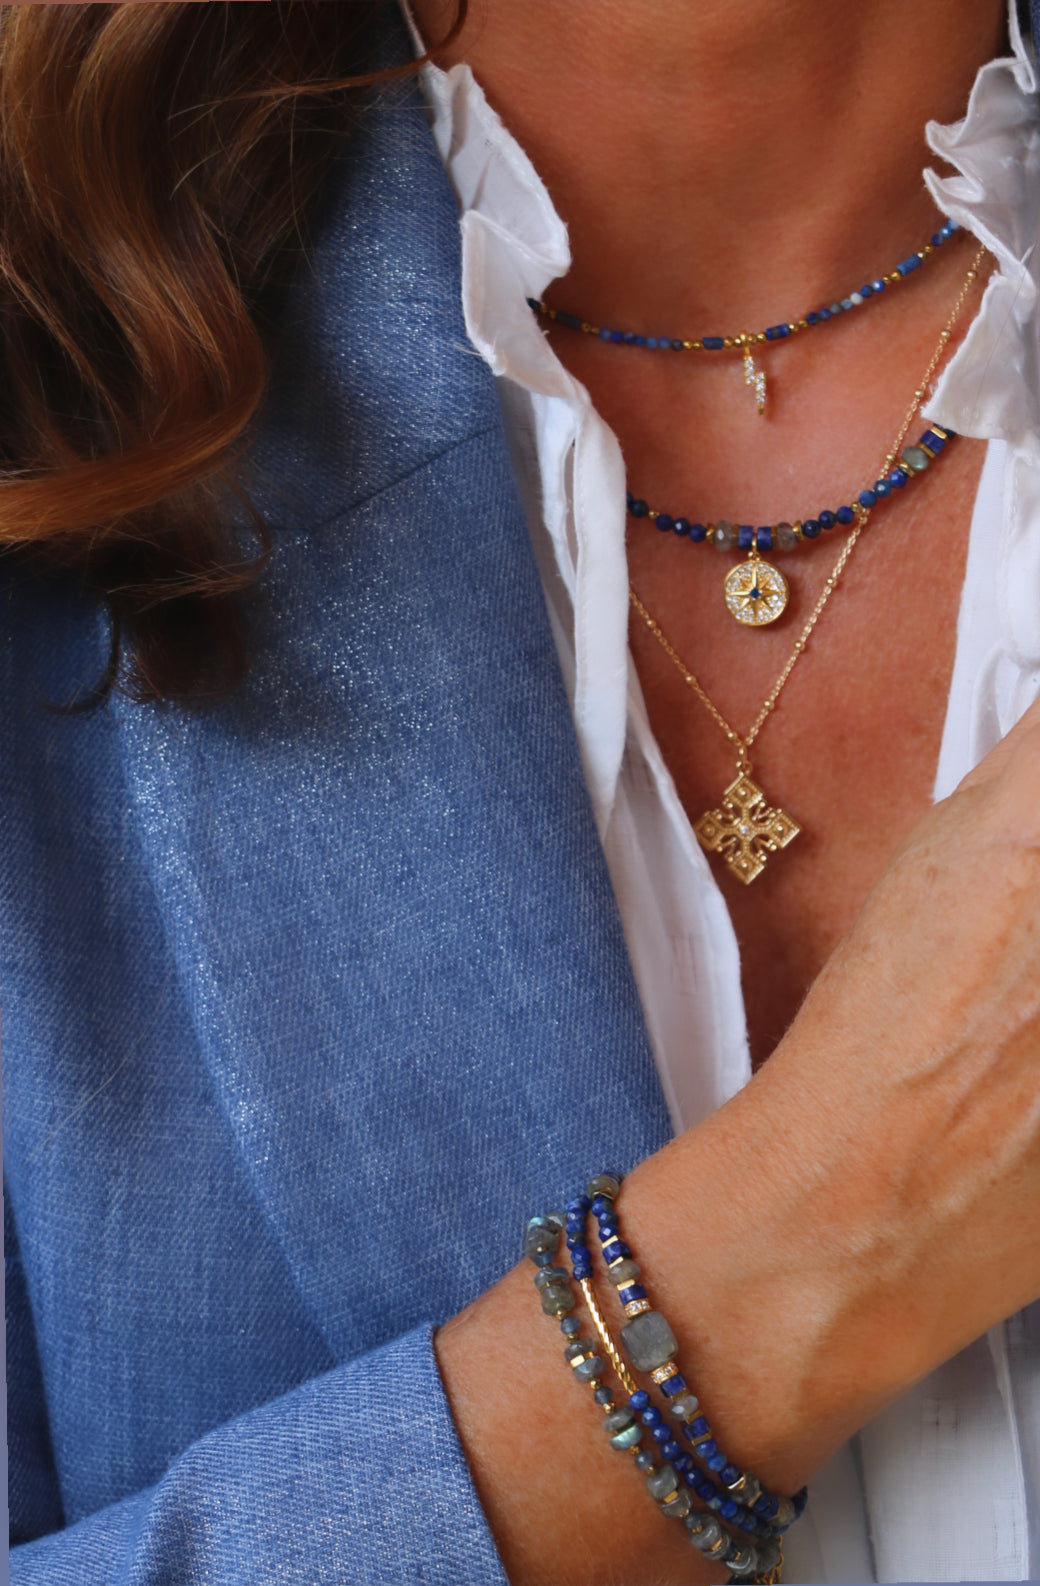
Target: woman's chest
(850, 747)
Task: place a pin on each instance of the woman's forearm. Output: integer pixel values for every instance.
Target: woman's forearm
(859, 1213)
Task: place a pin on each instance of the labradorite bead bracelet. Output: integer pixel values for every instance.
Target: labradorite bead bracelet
(725, 536)
(782, 331)
(650, 1345)
(625, 1424)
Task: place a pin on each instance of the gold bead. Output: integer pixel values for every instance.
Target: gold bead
(664, 1373)
(637, 1307)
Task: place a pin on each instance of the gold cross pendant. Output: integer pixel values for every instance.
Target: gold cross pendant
(745, 831)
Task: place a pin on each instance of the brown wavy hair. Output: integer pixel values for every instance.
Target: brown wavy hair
(157, 167)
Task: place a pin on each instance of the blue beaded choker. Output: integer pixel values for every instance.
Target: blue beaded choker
(744, 341)
(755, 593)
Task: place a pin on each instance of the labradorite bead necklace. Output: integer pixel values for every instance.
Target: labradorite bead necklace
(744, 341)
(757, 593)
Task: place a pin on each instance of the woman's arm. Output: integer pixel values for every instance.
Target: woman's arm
(861, 1211)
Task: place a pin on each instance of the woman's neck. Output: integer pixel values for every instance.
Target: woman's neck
(715, 160)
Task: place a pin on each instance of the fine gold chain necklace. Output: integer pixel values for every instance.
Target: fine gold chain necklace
(746, 830)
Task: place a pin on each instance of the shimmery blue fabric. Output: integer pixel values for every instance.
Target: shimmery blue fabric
(279, 973)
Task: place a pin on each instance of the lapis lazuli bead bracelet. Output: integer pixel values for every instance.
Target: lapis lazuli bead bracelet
(772, 333)
(787, 536)
(732, 1497)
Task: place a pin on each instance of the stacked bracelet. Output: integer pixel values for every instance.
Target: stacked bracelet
(730, 1495)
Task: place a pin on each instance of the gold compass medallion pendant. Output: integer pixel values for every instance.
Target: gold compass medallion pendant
(755, 592)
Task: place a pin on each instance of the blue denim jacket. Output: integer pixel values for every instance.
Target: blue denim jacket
(311, 997)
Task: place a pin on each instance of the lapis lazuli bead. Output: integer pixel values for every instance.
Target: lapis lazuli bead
(616, 1251)
(682, 1462)
(650, 1416)
(712, 343)
(639, 1400)
(578, 1206)
(764, 539)
(866, 290)
(879, 285)
(934, 442)
(571, 321)
(601, 1203)
(898, 477)
(882, 488)
(867, 498)
(813, 318)
(639, 509)
(671, 1449)
(777, 332)
(674, 1385)
(729, 1474)
(651, 341)
(698, 1427)
(824, 313)
(682, 526)
(660, 1434)
(715, 1461)
(605, 334)
(845, 515)
(811, 528)
(826, 520)
(905, 266)
(617, 336)
(635, 1291)
(707, 1448)
(727, 1508)
(698, 532)
(676, 344)
(745, 537)
(630, 338)
(665, 523)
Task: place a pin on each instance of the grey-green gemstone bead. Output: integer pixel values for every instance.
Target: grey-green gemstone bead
(685, 1407)
(588, 1369)
(784, 537)
(630, 1437)
(617, 1420)
(785, 1514)
(550, 1275)
(603, 1184)
(556, 1220)
(663, 1482)
(570, 1325)
(581, 1349)
(679, 1506)
(746, 1489)
(625, 1272)
(725, 536)
(539, 1236)
(708, 1536)
(743, 1561)
(649, 1341)
(768, 1557)
(557, 1301)
(915, 458)
(644, 1460)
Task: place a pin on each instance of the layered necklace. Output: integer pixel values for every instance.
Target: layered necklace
(746, 828)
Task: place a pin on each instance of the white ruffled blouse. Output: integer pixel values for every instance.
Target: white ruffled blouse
(945, 1484)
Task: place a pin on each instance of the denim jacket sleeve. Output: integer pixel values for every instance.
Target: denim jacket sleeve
(355, 1478)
